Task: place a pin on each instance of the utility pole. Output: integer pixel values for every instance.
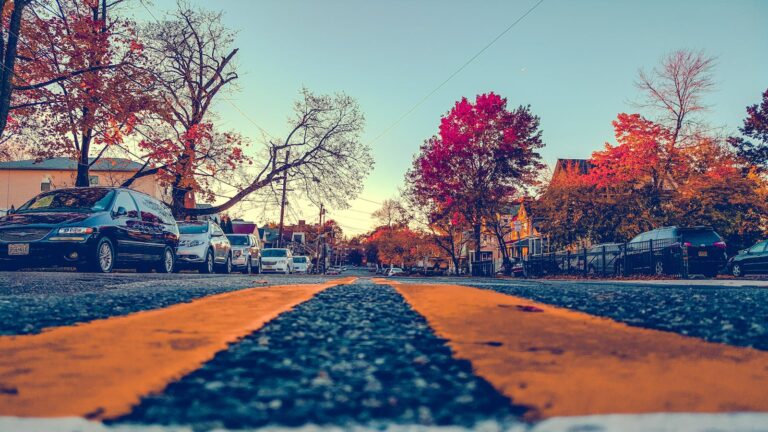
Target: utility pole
(322, 238)
(282, 203)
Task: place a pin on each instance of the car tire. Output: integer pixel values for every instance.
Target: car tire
(207, 266)
(737, 271)
(104, 257)
(226, 268)
(168, 263)
(659, 269)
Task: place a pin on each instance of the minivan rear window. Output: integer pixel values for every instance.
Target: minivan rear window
(697, 237)
(300, 260)
(273, 253)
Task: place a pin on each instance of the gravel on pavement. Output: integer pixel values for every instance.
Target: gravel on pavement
(32, 301)
(353, 355)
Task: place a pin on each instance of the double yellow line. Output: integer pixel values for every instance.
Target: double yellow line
(560, 362)
(101, 369)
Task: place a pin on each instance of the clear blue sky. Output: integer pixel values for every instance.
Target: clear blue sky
(574, 62)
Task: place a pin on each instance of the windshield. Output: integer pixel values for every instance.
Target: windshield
(698, 237)
(70, 200)
(238, 240)
(193, 228)
(300, 260)
(273, 253)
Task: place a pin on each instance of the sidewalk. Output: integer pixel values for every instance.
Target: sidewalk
(736, 283)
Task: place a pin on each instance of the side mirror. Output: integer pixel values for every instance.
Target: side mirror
(121, 211)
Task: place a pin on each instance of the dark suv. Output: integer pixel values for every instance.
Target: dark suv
(93, 229)
(665, 250)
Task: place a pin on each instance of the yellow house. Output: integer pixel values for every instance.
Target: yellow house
(22, 180)
(524, 238)
(521, 237)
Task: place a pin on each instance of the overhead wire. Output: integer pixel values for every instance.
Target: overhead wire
(456, 72)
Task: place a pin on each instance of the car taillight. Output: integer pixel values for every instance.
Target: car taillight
(719, 244)
(687, 244)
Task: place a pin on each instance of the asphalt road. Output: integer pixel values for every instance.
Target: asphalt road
(32, 301)
(353, 354)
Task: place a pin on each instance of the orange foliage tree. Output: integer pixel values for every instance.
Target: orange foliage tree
(83, 114)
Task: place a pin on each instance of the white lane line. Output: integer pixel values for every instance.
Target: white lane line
(659, 422)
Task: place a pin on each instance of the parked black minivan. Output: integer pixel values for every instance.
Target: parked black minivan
(664, 251)
(92, 229)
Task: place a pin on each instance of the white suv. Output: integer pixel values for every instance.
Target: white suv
(301, 264)
(204, 246)
(276, 260)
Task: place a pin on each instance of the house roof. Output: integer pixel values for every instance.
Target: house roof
(582, 166)
(269, 235)
(67, 164)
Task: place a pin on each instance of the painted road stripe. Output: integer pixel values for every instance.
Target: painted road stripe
(101, 369)
(565, 363)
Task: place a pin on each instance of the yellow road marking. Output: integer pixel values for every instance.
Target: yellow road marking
(101, 369)
(561, 362)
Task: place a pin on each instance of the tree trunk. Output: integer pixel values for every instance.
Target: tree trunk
(9, 62)
(507, 263)
(84, 163)
(477, 231)
(178, 198)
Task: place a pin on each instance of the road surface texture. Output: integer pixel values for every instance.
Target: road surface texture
(190, 352)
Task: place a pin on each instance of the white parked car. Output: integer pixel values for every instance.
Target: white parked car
(301, 264)
(394, 271)
(276, 260)
(246, 256)
(203, 246)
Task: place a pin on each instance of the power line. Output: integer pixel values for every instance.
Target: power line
(456, 72)
(370, 201)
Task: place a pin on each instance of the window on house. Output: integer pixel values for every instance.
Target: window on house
(45, 185)
(93, 180)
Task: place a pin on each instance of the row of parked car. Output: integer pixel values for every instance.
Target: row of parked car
(101, 228)
(668, 251)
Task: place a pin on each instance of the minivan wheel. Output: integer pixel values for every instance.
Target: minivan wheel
(104, 259)
(659, 270)
(736, 270)
(168, 262)
(207, 266)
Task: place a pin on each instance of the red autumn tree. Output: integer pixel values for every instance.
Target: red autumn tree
(482, 154)
(644, 153)
(89, 113)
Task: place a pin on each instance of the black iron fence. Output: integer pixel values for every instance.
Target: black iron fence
(483, 268)
(659, 257)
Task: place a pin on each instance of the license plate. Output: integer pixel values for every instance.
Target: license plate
(18, 249)
(702, 253)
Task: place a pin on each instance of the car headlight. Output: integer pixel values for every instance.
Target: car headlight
(75, 230)
(190, 243)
